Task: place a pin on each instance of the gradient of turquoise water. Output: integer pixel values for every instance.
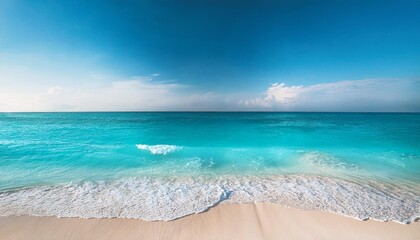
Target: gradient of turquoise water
(52, 148)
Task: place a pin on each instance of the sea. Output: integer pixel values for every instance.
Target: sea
(167, 165)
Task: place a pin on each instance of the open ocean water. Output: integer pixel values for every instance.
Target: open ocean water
(163, 165)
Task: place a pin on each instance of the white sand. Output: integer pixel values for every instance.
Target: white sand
(226, 221)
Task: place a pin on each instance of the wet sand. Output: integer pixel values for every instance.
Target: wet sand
(226, 221)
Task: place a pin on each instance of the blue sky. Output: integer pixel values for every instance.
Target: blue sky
(209, 55)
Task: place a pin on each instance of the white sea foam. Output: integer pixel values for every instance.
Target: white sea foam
(324, 162)
(170, 198)
(160, 149)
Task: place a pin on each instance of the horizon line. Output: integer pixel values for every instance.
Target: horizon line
(216, 111)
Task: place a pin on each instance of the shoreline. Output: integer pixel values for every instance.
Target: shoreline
(160, 199)
(225, 221)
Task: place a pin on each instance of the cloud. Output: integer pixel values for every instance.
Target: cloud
(34, 82)
(33, 89)
(140, 93)
(355, 95)
(136, 93)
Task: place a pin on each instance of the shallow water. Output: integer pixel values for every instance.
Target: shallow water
(357, 164)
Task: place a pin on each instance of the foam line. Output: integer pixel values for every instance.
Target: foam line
(171, 198)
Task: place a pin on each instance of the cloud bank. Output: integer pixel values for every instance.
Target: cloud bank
(141, 93)
(123, 95)
(357, 95)
(145, 93)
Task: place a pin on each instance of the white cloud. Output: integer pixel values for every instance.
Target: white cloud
(34, 82)
(56, 90)
(79, 82)
(38, 89)
(355, 95)
(133, 94)
(138, 93)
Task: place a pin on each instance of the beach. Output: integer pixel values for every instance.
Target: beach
(209, 120)
(200, 175)
(225, 221)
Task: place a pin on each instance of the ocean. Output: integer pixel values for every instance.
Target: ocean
(166, 165)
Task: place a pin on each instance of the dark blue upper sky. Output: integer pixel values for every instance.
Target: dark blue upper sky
(222, 45)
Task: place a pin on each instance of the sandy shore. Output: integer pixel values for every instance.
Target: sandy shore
(226, 221)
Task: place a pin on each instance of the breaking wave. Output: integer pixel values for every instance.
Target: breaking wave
(171, 198)
(160, 149)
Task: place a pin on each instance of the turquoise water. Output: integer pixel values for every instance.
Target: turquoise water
(50, 150)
